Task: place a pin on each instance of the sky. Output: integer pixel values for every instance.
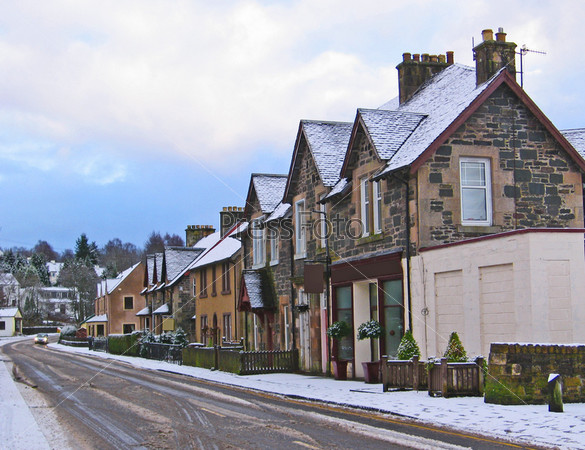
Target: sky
(119, 118)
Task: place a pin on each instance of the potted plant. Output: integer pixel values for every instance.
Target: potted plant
(337, 331)
(371, 330)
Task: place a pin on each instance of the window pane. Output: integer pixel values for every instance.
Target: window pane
(473, 173)
(343, 298)
(474, 204)
(392, 292)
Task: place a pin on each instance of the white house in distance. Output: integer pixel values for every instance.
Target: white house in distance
(10, 322)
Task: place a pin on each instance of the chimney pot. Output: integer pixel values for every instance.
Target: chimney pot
(416, 57)
(450, 57)
(442, 59)
(425, 57)
(501, 36)
(406, 57)
(487, 35)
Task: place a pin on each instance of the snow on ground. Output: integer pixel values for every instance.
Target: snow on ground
(531, 424)
(18, 428)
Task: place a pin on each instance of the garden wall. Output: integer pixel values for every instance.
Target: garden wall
(518, 373)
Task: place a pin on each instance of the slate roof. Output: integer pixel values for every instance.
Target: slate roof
(178, 258)
(441, 100)
(163, 309)
(100, 318)
(282, 211)
(327, 142)
(258, 289)
(269, 190)
(377, 122)
(144, 312)
(576, 138)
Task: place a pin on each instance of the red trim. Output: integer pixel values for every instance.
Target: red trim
(293, 161)
(504, 234)
(356, 124)
(508, 79)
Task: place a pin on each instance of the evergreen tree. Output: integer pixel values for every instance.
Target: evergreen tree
(86, 251)
(408, 347)
(39, 263)
(455, 351)
(180, 338)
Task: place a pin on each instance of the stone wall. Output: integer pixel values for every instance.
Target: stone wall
(534, 182)
(518, 373)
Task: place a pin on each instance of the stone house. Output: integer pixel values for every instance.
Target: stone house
(10, 322)
(117, 302)
(265, 291)
(453, 201)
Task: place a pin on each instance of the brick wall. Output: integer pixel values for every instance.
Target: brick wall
(518, 373)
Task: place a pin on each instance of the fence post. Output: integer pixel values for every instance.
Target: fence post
(480, 377)
(384, 373)
(415, 373)
(216, 357)
(443, 372)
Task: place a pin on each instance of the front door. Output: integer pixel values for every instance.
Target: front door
(392, 317)
(304, 334)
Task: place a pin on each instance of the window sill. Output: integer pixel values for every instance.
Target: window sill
(203, 296)
(482, 229)
(274, 262)
(258, 266)
(226, 292)
(370, 238)
(302, 256)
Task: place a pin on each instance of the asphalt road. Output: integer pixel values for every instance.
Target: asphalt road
(105, 404)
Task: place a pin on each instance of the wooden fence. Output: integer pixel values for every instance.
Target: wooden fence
(244, 363)
(284, 361)
(440, 378)
(411, 374)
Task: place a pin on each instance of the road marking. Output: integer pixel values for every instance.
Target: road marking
(213, 412)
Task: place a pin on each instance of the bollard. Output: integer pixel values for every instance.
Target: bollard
(555, 393)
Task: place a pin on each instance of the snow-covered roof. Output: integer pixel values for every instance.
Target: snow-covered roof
(164, 309)
(441, 99)
(144, 312)
(576, 138)
(257, 288)
(224, 249)
(282, 211)
(341, 185)
(108, 285)
(377, 122)
(269, 190)
(327, 142)
(8, 312)
(7, 279)
(100, 318)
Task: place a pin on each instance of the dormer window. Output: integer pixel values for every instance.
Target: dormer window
(476, 195)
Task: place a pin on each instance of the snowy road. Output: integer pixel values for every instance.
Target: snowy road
(106, 404)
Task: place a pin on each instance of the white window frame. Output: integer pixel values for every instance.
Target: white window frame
(258, 244)
(273, 236)
(300, 230)
(365, 206)
(377, 197)
(487, 188)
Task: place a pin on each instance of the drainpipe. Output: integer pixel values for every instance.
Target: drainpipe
(292, 294)
(407, 250)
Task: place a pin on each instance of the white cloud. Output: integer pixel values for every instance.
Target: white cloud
(214, 80)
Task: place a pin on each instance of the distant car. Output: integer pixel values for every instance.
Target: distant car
(42, 338)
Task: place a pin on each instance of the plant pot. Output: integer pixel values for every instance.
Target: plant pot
(340, 369)
(371, 371)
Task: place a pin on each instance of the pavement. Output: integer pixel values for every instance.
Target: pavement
(528, 424)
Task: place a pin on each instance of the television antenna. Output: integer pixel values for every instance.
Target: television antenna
(524, 51)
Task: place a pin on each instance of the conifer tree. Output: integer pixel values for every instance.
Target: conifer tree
(408, 347)
(455, 351)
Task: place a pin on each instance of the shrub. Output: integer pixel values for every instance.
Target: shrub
(68, 331)
(370, 330)
(338, 330)
(180, 338)
(408, 347)
(455, 351)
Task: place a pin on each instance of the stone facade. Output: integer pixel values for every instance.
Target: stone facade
(518, 373)
(534, 181)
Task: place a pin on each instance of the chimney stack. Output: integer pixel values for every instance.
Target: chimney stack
(228, 217)
(415, 69)
(195, 233)
(492, 55)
